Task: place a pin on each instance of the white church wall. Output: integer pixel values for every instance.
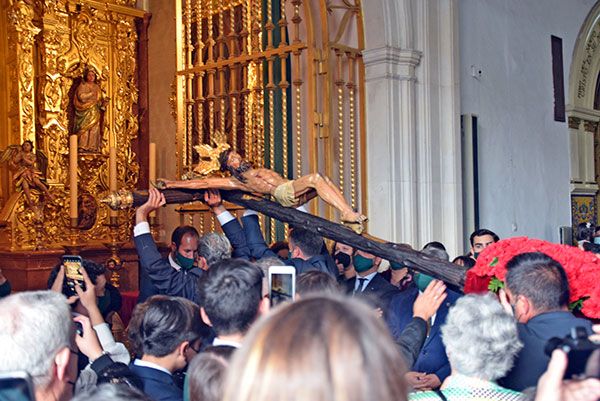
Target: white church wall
(524, 156)
(413, 137)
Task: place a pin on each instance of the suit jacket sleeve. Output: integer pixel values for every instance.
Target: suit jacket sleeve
(254, 238)
(160, 272)
(400, 311)
(236, 236)
(443, 372)
(411, 340)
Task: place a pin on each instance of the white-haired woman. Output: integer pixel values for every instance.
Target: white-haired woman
(481, 341)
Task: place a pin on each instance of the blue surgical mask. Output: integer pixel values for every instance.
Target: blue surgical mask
(597, 240)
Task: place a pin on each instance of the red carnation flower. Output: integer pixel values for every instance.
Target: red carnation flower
(582, 269)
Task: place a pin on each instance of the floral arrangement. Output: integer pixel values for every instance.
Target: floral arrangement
(582, 268)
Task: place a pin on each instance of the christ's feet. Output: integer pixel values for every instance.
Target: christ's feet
(353, 217)
(356, 227)
(354, 221)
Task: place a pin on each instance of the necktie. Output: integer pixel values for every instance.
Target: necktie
(361, 283)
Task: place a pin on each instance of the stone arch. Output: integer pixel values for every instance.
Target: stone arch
(586, 62)
(583, 120)
(397, 27)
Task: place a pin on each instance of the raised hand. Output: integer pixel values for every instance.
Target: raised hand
(503, 297)
(428, 302)
(552, 387)
(88, 299)
(88, 342)
(212, 198)
(156, 199)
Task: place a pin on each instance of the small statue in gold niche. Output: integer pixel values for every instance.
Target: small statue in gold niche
(87, 211)
(27, 168)
(89, 108)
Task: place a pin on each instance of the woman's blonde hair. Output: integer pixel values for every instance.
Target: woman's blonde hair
(322, 348)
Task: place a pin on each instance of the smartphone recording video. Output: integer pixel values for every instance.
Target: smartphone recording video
(282, 284)
(16, 386)
(73, 266)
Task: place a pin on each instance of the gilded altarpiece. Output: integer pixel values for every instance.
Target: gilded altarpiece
(48, 45)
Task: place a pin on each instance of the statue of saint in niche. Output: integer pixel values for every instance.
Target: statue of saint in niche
(89, 108)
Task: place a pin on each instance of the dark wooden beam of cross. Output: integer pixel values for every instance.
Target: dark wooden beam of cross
(453, 275)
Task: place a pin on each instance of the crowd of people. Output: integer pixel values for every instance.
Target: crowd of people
(204, 328)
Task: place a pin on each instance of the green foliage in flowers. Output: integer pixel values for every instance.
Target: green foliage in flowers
(495, 285)
(577, 305)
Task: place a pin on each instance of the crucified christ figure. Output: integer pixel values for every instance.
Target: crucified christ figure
(263, 181)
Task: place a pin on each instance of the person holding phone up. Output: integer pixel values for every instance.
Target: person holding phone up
(97, 341)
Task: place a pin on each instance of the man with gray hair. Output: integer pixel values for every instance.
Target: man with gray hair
(35, 337)
(212, 248)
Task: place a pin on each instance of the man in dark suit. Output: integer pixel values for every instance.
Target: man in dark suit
(431, 366)
(248, 242)
(370, 284)
(158, 384)
(166, 333)
(537, 291)
(175, 275)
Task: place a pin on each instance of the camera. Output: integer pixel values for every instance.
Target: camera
(583, 361)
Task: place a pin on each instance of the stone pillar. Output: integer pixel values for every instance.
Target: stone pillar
(391, 142)
(582, 129)
(412, 119)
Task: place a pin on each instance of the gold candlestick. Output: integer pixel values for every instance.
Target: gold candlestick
(112, 173)
(114, 246)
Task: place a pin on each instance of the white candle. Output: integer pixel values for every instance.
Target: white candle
(73, 179)
(144, 5)
(152, 167)
(112, 169)
(152, 162)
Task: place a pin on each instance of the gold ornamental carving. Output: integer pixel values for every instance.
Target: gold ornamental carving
(50, 45)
